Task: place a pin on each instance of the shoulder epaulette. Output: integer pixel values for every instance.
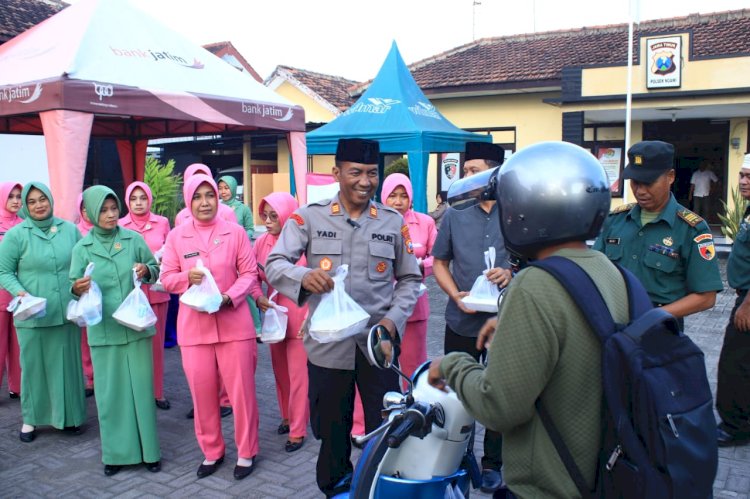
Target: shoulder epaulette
(688, 216)
(622, 208)
(321, 202)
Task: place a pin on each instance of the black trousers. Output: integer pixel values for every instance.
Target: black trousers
(493, 441)
(331, 393)
(733, 385)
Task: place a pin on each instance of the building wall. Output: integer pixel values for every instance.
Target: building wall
(314, 112)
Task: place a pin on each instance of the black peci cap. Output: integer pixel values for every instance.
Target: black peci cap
(648, 160)
(362, 151)
(485, 151)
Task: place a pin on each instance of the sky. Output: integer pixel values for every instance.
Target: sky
(352, 38)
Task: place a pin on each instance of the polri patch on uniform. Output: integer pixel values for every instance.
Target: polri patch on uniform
(326, 264)
(703, 237)
(613, 240)
(707, 250)
(688, 216)
(381, 266)
(300, 221)
(190, 255)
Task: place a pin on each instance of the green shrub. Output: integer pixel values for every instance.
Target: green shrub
(401, 165)
(732, 218)
(166, 187)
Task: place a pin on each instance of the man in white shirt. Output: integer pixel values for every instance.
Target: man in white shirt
(701, 189)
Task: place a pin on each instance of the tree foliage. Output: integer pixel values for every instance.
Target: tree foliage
(166, 187)
(401, 165)
(732, 218)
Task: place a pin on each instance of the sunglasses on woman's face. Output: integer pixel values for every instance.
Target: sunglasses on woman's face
(273, 216)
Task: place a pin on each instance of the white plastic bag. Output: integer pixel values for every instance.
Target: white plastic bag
(135, 311)
(484, 294)
(28, 307)
(203, 297)
(158, 286)
(273, 329)
(87, 311)
(338, 316)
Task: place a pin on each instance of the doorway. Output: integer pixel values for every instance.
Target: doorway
(695, 141)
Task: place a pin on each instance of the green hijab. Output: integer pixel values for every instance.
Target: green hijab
(24, 211)
(232, 184)
(93, 199)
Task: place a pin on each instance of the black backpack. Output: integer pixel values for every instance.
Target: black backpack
(659, 437)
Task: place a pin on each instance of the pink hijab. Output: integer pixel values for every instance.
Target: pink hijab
(284, 205)
(394, 180)
(83, 226)
(8, 219)
(139, 220)
(196, 168)
(191, 185)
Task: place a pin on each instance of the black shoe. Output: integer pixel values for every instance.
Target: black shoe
(72, 430)
(241, 472)
(492, 480)
(727, 439)
(225, 411)
(89, 392)
(293, 446)
(28, 436)
(283, 429)
(356, 444)
(154, 467)
(163, 404)
(111, 469)
(190, 414)
(205, 470)
(14, 395)
(341, 486)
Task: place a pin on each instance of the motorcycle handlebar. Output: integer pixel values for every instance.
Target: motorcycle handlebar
(411, 419)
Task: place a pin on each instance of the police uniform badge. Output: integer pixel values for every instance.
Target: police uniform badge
(668, 241)
(638, 159)
(373, 211)
(407, 239)
(335, 209)
(381, 266)
(326, 264)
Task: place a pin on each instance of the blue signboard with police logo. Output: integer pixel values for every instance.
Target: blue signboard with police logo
(664, 62)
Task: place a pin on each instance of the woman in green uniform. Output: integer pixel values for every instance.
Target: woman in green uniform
(122, 358)
(34, 259)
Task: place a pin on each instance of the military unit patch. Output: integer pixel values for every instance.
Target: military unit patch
(300, 221)
(688, 216)
(703, 237)
(707, 250)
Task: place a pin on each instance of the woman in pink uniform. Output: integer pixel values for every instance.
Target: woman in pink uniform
(185, 214)
(288, 356)
(84, 226)
(10, 203)
(397, 193)
(222, 342)
(154, 229)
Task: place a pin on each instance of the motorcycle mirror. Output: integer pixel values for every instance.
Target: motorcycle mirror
(380, 347)
(470, 190)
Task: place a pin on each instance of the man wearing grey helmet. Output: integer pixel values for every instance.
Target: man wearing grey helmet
(546, 349)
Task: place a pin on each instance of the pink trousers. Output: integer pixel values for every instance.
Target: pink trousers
(290, 369)
(413, 355)
(160, 309)
(236, 362)
(88, 367)
(9, 352)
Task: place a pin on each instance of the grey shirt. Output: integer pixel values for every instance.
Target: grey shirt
(383, 277)
(463, 238)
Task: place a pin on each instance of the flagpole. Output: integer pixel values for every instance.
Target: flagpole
(629, 92)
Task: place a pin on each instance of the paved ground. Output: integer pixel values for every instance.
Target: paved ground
(55, 465)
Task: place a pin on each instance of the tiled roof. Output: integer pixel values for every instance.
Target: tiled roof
(333, 89)
(537, 59)
(227, 51)
(16, 16)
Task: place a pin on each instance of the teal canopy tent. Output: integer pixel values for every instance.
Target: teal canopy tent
(396, 113)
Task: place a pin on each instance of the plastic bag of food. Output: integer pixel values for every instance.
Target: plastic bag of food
(135, 311)
(337, 316)
(28, 307)
(203, 297)
(484, 294)
(87, 311)
(273, 328)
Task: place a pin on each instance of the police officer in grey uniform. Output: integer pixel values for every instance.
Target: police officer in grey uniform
(374, 241)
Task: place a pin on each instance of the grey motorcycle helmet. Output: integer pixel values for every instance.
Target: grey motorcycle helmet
(550, 193)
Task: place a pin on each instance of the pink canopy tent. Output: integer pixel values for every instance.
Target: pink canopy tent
(102, 68)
